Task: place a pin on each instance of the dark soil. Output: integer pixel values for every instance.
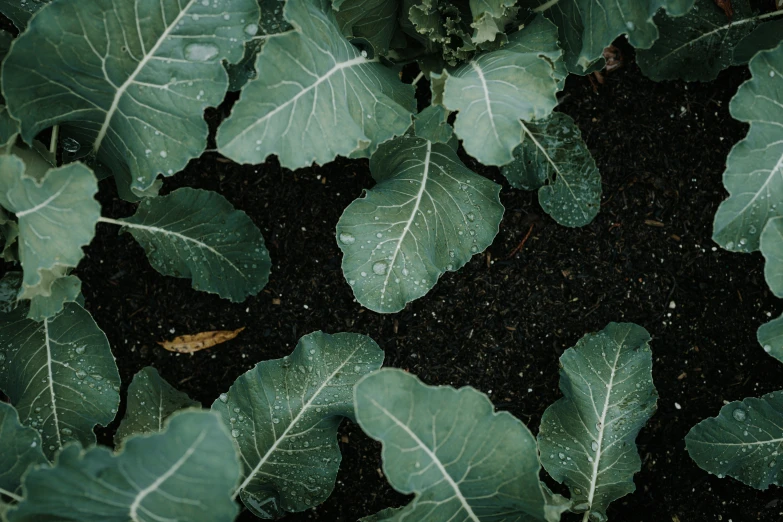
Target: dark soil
(499, 324)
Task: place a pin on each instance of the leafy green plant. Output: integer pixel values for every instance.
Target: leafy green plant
(270, 440)
(464, 461)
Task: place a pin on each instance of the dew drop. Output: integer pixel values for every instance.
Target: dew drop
(223, 397)
(379, 268)
(201, 52)
(739, 414)
(235, 433)
(71, 145)
(251, 29)
(347, 238)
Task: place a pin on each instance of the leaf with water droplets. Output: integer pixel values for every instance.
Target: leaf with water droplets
(334, 102)
(770, 337)
(186, 472)
(284, 415)
(151, 400)
(461, 459)
(700, 44)
(427, 215)
(771, 245)
(20, 12)
(20, 448)
(587, 438)
(198, 234)
(497, 89)
(59, 374)
(554, 159)
(200, 341)
(745, 441)
(586, 27)
(754, 168)
(128, 81)
(56, 218)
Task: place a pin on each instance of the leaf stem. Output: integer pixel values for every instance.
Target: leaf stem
(53, 141)
(586, 518)
(417, 78)
(543, 7)
(8, 494)
(111, 221)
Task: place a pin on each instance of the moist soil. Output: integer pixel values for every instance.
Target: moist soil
(500, 323)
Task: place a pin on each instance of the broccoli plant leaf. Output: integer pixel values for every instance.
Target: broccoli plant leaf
(20, 448)
(199, 235)
(770, 337)
(128, 81)
(20, 12)
(586, 27)
(766, 36)
(587, 438)
(744, 441)
(490, 18)
(554, 159)
(187, 472)
(771, 245)
(373, 20)
(59, 374)
(700, 44)
(56, 218)
(151, 400)
(463, 460)
(432, 124)
(754, 168)
(9, 289)
(284, 416)
(427, 215)
(495, 90)
(65, 289)
(293, 111)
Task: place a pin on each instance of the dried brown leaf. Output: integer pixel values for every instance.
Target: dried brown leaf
(725, 5)
(200, 341)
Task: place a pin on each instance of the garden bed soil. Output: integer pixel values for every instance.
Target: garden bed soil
(501, 323)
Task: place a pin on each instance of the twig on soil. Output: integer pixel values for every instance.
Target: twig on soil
(521, 243)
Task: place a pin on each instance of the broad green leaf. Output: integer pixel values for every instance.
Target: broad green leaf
(463, 460)
(373, 20)
(128, 81)
(497, 89)
(20, 448)
(554, 159)
(151, 400)
(432, 125)
(770, 337)
(56, 218)
(587, 438)
(700, 44)
(766, 36)
(427, 215)
(443, 28)
(334, 102)
(586, 27)
(186, 472)
(271, 22)
(59, 374)
(198, 234)
(771, 245)
(754, 168)
(20, 11)
(66, 289)
(284, 416)
(490, 18)
(745, 441)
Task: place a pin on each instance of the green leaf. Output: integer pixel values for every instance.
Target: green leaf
(586, 27)
(427, 215)
(744, 441)
(373, 20)
(59, 374)
(587, 438)
(185, 473)
(432, 125)
(766, 36)
(151, 400)
(284, 416)
(490, 18)
(56, 216)
(700, 44)
(770, 337)
(20, 12)
(384, 515)
(463, 460)
(754, 168)
(335, 102)
(9, 128)
(495, 90)
(554, 159)
(66, 289)
(9, 231)
(771, 245)
(129, 82)
(198, 234)
(20, 448)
